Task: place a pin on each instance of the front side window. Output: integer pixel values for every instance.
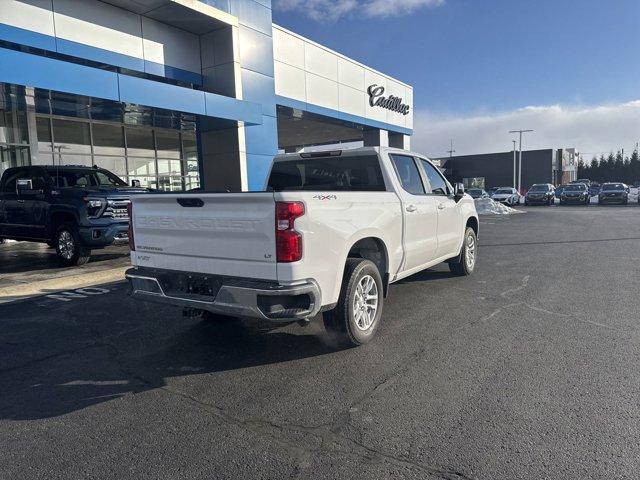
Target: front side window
(438, 183)
(108, 179)
(408, 174)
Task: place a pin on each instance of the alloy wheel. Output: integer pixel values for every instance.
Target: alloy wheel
(365, 302)
(66, 245)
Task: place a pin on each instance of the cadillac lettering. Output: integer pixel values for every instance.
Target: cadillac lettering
(376, 99)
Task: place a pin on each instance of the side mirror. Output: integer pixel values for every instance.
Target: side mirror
(24, 185)
(458, 191)
(135, 183)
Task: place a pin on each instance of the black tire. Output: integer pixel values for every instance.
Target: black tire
(69, 247)
(465, 263)
(341, 322)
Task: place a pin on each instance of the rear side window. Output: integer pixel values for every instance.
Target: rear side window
(359, 174)
(408, 174)
(11, 178)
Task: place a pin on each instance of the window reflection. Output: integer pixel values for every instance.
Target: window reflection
(71, 136)
(159, 158)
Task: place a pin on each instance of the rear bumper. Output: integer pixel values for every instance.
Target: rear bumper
(235, 297)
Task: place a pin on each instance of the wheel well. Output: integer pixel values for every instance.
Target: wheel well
(473, 223)
(59, 218)
(373, 249)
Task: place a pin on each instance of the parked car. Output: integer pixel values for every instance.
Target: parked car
(614, 193)
(559, 189)
(576, 193)
(541, 194)
(326, 236)
(477, 193)
(72, 208)
(594, 189)
(507, 195)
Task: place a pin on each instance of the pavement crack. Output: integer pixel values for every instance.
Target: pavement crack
(522, 286)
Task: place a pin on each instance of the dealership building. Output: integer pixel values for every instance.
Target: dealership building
(180, 93)
(487, 170)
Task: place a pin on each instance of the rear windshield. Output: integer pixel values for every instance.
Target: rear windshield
(358, 173)
(612, 186)
(579, 187)
(539, 188)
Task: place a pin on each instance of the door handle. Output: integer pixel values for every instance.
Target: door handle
(411, 208)
(441, 206)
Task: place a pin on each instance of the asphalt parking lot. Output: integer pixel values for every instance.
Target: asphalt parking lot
(529, 369)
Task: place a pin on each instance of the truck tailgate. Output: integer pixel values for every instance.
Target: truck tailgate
(216, 233)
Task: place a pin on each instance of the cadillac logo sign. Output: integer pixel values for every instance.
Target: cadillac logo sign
(377, 99)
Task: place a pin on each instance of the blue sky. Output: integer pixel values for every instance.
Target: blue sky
(470, 59)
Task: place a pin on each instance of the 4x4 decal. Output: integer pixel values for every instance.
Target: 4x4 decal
(325, 197)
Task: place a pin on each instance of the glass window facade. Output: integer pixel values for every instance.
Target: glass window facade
(160, 158)
(14, 139)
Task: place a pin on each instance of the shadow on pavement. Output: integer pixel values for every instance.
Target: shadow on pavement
(131, 363)
(31, 257)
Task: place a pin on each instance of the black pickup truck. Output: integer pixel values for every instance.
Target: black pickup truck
(72, 208)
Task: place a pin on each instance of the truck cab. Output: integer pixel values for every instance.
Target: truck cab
(74, 209)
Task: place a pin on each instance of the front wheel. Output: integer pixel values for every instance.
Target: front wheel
(356, 317)
(69, 247)
(466, 261)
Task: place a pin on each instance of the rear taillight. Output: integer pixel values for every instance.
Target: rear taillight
(132, 243)
(288, 241)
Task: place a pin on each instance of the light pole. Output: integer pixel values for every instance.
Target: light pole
(451, 151)
(520, 157)
(514, 163)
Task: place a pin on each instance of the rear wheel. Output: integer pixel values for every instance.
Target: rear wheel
(466, 261)
(69, 247)
(356, 317)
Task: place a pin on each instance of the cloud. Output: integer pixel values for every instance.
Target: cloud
(591, 130)
(332, 10)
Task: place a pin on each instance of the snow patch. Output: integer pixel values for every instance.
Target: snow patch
(486, 206)
(633, 194)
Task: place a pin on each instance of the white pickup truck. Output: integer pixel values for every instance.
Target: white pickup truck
(329, 234)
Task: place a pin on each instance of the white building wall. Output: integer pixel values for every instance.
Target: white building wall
(100, 25)
(35, 15)
(308, 72)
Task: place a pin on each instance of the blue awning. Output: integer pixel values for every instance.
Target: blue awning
(51, 74)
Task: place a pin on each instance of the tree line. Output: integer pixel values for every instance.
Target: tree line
(612, 168)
